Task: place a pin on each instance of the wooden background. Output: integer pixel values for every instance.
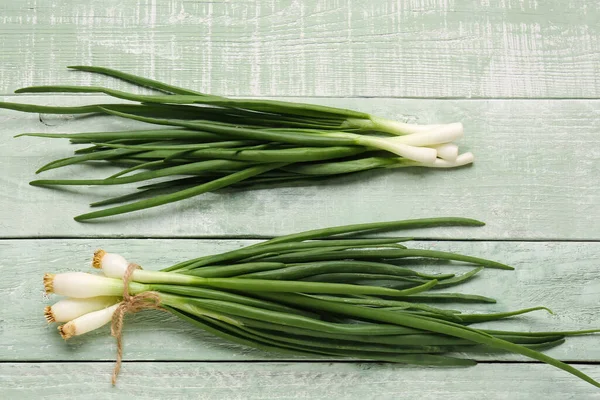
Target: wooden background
(522, 75)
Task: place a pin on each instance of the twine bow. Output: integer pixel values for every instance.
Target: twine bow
(130, 304)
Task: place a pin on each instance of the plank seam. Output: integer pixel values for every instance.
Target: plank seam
(414, 238)
(441, 98)
(328, 361)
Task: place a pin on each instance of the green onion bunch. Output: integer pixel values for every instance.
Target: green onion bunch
(320, 293)
(206, 143)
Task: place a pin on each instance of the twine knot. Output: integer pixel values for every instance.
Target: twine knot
(130, 304)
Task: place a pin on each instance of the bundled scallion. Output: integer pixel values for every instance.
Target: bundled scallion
(320, 293)
(211, 142)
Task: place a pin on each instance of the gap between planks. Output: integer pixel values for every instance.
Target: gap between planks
(278, 361)
(250, 237)
(360, 97)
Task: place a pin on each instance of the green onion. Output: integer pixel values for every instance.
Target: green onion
(309, 143)
(314, 306)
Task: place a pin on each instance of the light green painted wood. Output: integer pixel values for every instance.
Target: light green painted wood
(562, 276)
(535, 177)
(461, 48)
(278, 381)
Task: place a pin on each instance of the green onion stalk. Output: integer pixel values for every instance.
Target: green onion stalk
(197, 143)
(320, 293)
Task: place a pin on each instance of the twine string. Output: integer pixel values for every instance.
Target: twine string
(130, 304)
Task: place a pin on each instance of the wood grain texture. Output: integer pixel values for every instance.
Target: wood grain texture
(562, 276)
(460, 48)
(535, 177)
(278, 381)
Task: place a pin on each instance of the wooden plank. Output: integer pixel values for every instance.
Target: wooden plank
(312, 48)
(292, 381)
(535, 177)
(561, 276)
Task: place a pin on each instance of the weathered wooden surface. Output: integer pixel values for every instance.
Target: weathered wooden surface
(526, 65)
(462, 48)
(561, 276)
(535, 177)
(278, 381)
